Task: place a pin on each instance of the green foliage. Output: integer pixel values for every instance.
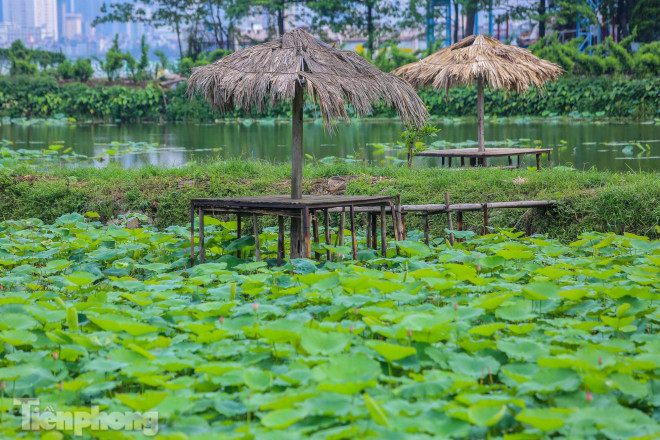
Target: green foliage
(390, 56)
(645, 19)
(560, 343)
(412, 138)
(82, 70)
(607, 58)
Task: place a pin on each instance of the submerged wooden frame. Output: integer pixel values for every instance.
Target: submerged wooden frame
(306, 209)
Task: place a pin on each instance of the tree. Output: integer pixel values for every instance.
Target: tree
(143, 64)
(114, 60)
(645, 18)
(176, 14)
(82, 70)
(374, 18)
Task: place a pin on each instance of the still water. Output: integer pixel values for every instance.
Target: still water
(619, 146)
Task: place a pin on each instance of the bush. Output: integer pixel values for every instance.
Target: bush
(83, 70)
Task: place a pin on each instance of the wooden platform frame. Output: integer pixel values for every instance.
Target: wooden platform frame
(477, 157)
(306, 209)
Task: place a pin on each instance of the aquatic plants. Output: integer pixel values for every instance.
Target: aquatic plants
(500, 335)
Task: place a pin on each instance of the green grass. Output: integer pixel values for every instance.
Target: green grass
(588, 200)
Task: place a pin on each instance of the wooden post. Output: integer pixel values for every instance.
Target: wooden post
(449, 162)
(239, 226)
(342, 226)
(443, 161)
(480, 114)
(425, 216)
(403, 225)
(396, 233)
(509, 160)
(399, 216)
(485, 205)
(459, 221)
(201, 236)
(326, 218)
(297, 233)
(306, 240)
(538, 162)
(280, 240)
(368, 228)
(383, 230)
(315, 225)
(354, 243)
(462, 161)
(255, 229)
(518, 162)
(451, 225)
(192, 235)
(374, 231)
(549, 160)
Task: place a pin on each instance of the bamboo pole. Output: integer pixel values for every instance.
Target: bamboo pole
(255, 230)
(296, 166)
(449, 221)
(480, 114)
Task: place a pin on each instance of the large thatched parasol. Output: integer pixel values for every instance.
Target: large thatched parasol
(484, 60)
(280, 70)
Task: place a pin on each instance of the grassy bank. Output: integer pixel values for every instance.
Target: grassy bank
(589, 200)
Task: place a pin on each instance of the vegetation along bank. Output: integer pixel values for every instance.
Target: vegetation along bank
(45, 97)
(588, 200)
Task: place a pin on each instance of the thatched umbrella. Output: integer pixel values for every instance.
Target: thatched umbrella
(282, 69)
(484, 60)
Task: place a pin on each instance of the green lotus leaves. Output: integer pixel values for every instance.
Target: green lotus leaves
(498, 335)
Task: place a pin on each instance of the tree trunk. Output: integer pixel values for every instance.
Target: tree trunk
(470, 10)
(622, 18)
(178, 40)
(370, 28)
(280, 18)
(480, 114)
(410, 158)
(541, 18)
(456, 21)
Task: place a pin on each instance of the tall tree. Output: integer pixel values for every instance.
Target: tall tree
(373, 18)
(175, 14)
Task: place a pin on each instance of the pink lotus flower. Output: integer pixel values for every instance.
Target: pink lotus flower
(600, 361)
(351, 328)
(55, 355)
(409, 333)
(221, 319)
(455, 306)
(3, 385)
(61, 386)
(355, 310)
(590, 396)
(255, 306)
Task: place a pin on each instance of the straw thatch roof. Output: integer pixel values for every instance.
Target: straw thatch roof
(266, 74)
(501, 66)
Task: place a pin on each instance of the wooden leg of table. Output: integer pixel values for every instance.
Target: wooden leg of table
(342, 226)
(443, 161)
(549, 160)
(462, 161)
(449, 163)
(425, 217)
(383, 229)
(374, 231)
(399, 221)
(280, 240)
(306, 239)
(485, 205)
(484, 161)
(354, 243)
(239, 228)
(326, 218)
(538, 162)
(518, 162)
(315, 224)
(202, 251)
(192, 235)
(368, 228)
(510, 160)
(403, 225)
(255, 231)
(473, 161)
(459, 221)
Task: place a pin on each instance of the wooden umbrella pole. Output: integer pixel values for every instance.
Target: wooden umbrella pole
(296, 166)
(480, 113)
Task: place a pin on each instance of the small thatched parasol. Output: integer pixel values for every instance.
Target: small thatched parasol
(280, 70)
(484, 60)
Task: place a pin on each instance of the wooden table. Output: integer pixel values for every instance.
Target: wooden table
(305, 209)
(481, 157)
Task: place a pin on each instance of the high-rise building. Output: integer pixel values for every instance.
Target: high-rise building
(36, 18)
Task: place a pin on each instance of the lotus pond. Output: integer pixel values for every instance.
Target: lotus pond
(500, 336)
